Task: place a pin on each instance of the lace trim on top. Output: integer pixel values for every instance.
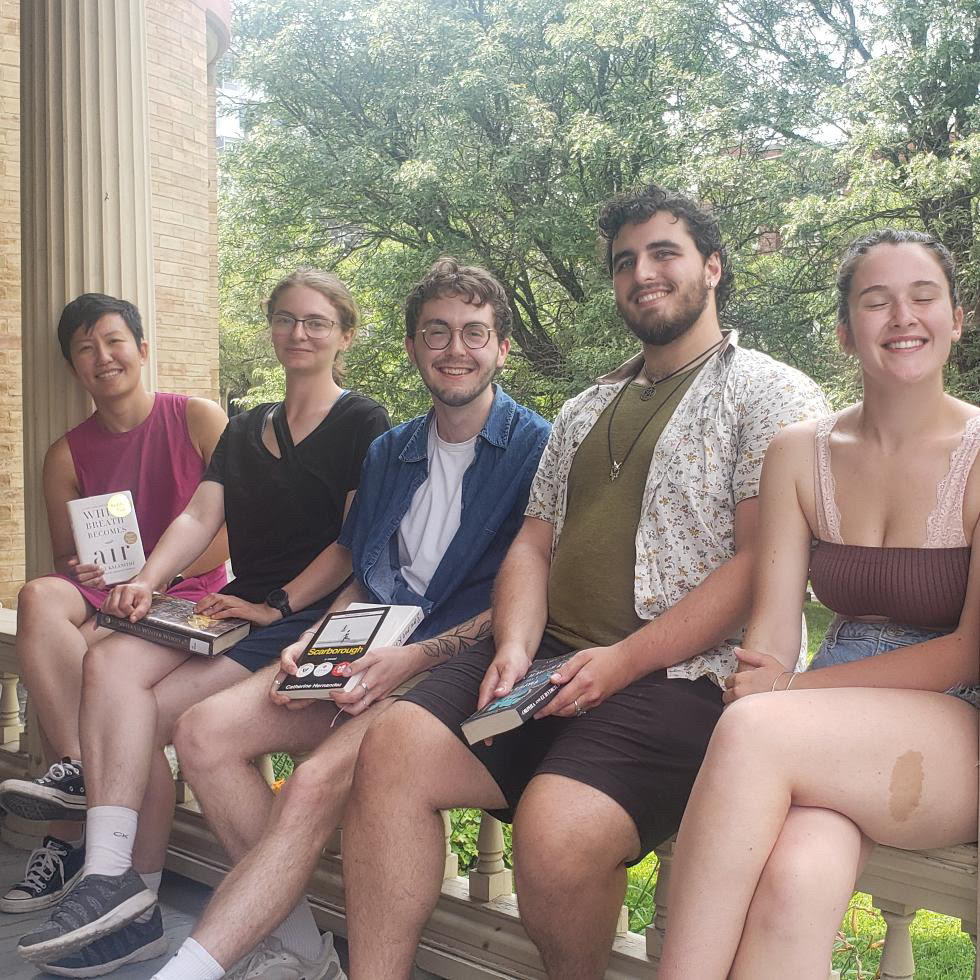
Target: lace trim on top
(944, 526)
(828, 515)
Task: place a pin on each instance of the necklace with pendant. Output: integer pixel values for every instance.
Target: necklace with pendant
(616, 465)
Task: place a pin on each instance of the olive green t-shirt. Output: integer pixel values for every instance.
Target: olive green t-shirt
(591, 584)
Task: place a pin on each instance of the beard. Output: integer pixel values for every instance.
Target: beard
(458, 397)
(659, 330)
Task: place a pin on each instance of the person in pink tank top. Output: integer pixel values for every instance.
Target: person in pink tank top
(807, 771)
(155, 445)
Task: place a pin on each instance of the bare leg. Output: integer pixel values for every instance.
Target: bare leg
(55, 626)
(410, 767)
(119, 697)
(912, 785)
(268, 882)
(216, 742)
(50, 646)
(802, 896)
(571, 845)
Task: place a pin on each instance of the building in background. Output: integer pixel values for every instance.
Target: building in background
(107, 183)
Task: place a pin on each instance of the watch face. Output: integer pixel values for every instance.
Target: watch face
(277, 598)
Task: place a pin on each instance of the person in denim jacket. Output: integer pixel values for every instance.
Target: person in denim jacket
(439, 502)
(877, 741)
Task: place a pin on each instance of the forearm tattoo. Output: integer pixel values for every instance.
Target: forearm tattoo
(447, 645)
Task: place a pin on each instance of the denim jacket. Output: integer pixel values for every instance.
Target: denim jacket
(494, 495)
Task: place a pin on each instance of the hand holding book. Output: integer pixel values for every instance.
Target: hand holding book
(379, 672)
(131, 600)
(218, 605)
(92, 576)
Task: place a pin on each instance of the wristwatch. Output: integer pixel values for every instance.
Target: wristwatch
(279, 599)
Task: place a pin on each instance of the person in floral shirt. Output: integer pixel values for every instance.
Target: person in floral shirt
(636, 551)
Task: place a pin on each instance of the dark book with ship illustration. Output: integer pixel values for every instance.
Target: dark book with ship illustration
(529, 695)
(343, 638)
(172, 622)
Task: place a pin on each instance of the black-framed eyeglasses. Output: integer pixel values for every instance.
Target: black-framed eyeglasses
(315, 326)
(439, 336)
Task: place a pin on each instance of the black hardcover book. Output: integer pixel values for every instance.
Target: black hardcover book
(529, 695)
(172, 622)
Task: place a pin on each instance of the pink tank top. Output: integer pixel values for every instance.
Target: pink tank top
(157, 462)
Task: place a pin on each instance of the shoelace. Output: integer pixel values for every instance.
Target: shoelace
(59, 770)
(262, 955)
(41, 865)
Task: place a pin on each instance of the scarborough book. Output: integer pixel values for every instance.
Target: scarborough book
(343, 638)
(106, 533)
(529, 695)
(172, 622)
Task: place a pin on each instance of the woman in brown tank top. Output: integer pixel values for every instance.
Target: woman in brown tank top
(799, 784)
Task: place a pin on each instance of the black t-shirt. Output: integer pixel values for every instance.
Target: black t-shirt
(280, 516)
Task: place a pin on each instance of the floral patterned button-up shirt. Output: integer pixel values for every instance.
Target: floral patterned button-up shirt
(708, 459)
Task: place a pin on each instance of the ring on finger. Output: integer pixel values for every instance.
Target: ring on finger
(579, 710)
(365, 686)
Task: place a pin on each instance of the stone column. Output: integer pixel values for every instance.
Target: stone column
(85, 204)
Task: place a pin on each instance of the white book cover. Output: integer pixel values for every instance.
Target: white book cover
(106, 533)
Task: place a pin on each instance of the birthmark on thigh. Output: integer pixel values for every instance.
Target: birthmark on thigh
(905, 790)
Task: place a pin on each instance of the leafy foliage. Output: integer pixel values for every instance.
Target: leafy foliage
(380, 135)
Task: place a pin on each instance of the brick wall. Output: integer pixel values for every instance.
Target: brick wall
(181, 150)
(11, 455)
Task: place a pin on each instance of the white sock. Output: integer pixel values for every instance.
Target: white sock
(191, 962)
(298, 932)
(152, 880)
(110, 833)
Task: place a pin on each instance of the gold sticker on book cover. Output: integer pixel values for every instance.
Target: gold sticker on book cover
(131, 537)
(118, 505)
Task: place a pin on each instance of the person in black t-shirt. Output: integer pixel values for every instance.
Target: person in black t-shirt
(282, 477)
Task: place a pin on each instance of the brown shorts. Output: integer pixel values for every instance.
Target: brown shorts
(642, 747)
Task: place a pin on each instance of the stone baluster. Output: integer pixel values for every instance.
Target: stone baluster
(897, 962)
(265, 767)
(655, 931)
(451, 869)
(970, 928)
(30, 741)
(490, 878)
(10, 726)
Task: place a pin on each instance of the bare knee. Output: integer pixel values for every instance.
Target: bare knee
(201, 737)
(104, 662)
(748, 725)
(45, 599)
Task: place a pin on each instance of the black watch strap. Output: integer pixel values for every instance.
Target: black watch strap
(279, 599)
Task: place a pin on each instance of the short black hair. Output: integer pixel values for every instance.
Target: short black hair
(636, 206)
(860, 247)
(86, 310)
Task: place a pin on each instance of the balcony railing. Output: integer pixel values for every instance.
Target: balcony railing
(476, 930)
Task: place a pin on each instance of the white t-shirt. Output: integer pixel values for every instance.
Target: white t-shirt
(433, 516)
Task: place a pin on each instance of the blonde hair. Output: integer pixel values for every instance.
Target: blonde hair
(333, 289)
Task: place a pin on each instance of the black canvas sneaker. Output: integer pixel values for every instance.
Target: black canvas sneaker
(96, 906)
(57, 795)
(135, 943)
(52, 870)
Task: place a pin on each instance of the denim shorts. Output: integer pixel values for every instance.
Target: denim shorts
(848, 640)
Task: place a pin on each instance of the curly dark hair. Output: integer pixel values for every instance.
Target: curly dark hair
(860, 247)
(473, 284)
(634, 207)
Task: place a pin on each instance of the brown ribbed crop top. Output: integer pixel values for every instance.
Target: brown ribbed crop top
(915, 586)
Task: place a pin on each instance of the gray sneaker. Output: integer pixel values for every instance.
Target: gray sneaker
(271, 961)
(98, 905)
